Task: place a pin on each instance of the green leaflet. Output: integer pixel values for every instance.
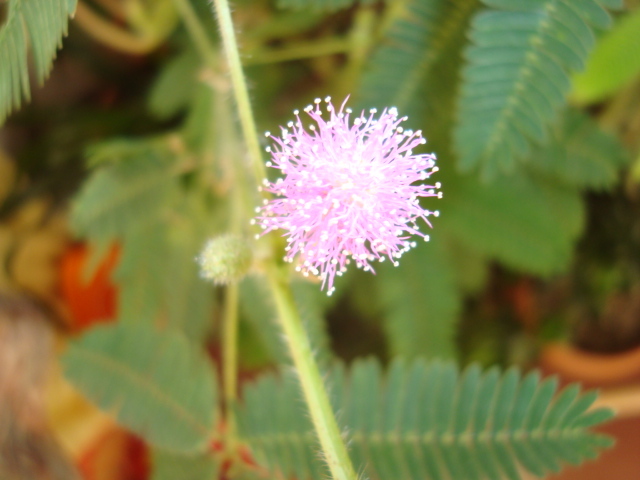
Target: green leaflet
(173, 466)
(173, 89)
(517, 76)
(155, 382)
(138, 195)
(159, 278)
(141, 274)
(528, 223)
(281, 439)
(40, 24)
(423, 420)
(407, 64)
(421, 301)
(194, 218)
(579, 153)
(138, 182)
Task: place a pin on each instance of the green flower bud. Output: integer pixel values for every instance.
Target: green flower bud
(225, 259)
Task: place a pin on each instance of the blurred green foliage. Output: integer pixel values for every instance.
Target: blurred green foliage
(486, 81)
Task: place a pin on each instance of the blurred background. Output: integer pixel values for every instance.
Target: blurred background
(118, 169)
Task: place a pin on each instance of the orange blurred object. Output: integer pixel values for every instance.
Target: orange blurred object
(89, 300)
(592, 369)
(118, 455)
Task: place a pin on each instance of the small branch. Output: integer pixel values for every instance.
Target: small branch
(114, 7)
(111, 35)
(300, 50)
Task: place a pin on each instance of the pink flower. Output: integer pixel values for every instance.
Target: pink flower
(349, 190)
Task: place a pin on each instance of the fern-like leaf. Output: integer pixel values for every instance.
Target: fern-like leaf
(430, 421)
(404, 66)
(156, 383)
(517, 76)
(41, 24)
(134, 181)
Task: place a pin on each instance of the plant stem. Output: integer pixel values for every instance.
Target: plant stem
(240, 88)
(230, 354)
(322, 415)
(333, 447)
(110, 34)
(360, 42)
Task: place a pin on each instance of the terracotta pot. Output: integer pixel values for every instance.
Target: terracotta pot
(618, 378)
(591, 369)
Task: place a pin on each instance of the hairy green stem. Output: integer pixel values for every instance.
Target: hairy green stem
(333, 447)
(240, 90)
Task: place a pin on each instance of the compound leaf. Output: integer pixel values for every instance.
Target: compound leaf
(40, 24)
(408, 61)
(133, 182)
(155, 382)
(426, 420)
(517, 76)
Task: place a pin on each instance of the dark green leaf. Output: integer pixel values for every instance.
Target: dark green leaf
(426, 34)
(527, 223)
(517, 76)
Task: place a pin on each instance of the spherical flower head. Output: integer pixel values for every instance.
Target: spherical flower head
(350, 190)
(225, 259)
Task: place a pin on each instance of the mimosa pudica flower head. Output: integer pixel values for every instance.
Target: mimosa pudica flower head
(350, 189)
